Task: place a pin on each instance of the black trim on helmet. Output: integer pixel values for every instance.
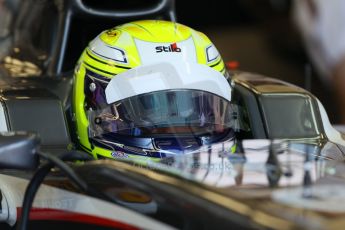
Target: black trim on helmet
(100, 70)
(106, 63)
(216, 63)
(85, 148)
(123, 67)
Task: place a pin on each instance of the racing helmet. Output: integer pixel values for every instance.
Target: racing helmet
(149, 89)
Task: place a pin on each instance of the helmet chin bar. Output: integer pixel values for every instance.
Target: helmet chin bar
(158, 147)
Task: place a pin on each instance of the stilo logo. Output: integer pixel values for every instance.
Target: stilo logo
(172, 48)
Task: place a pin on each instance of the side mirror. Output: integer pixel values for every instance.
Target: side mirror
(18, 150)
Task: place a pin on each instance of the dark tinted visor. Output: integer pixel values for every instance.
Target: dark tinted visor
(181, 112)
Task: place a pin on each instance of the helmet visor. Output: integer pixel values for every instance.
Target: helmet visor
(166, 112)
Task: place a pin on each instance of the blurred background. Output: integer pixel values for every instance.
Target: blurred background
(261, 36)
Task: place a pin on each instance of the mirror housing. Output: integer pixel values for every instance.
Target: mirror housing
(18, 150)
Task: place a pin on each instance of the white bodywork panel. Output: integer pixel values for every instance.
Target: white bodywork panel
(49, 197)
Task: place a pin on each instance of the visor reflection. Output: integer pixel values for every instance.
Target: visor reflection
(164, 112)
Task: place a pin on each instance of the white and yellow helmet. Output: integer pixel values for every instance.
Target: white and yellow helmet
(151, 88)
